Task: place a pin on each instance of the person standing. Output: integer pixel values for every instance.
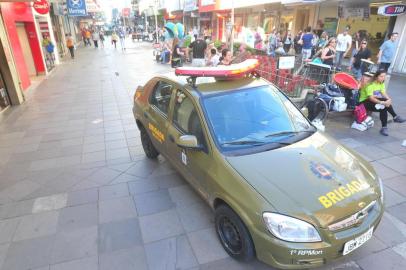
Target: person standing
(296, 43)
(328, 54)
(387, 52)
(114, 39)
(344, 44)
(88, 35)
(362, 53)
(121, 35)
(307, 43)
(287, 41)
(198, 51)
(101, 37)
(70, 44)
(95, 37)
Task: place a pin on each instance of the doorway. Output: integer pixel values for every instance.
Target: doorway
(26, 49)
(4, 99)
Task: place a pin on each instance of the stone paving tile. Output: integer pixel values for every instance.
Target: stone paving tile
(143, 168)
(206, 246)
(160, 226)
(16, 209)
(173, 253)
(113, 191)
(118, 235)
(170, 180)
(90, 263)
(49, 203)
(153, 202)
(36, 253)
(21, 189)
(141, 186)
(388, 233)
(36, 225)
(3, 252)
(401, 250)
(82, 197)
(392, 197)
(116, 209)
(125, 259)
(7, 229)
(77, 217)
(398, 211)
(94, 156)
(74, 244)
(387, 259)
(395, 163)
(397, 183)
(383, 171)
(229, 263)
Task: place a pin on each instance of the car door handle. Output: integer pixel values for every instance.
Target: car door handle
(146, 115)
(171, 138)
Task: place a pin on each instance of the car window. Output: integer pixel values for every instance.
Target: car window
(185, 117)
(161, 96)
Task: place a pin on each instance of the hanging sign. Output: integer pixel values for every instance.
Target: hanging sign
(41, 6)
(76, 7)
(392, 10)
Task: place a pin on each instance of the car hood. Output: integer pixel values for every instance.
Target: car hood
(316, 179)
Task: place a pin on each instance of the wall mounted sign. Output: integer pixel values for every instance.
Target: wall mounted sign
(392, 10)
(76, 7)
(41, 6)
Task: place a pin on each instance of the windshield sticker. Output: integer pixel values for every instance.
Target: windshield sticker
(321, 170)
(341, 193)
(184, 157)
(156, 133)
(306, 252)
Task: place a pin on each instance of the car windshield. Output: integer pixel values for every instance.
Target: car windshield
(254, 117)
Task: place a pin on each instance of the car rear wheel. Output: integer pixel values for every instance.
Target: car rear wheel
(233, 234)
(149, 148)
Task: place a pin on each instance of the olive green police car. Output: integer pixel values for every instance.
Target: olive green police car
(281, 191)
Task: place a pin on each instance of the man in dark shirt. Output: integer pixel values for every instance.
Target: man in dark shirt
(199, 47)
(358, 68)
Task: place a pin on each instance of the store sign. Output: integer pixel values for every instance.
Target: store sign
(190, 5)
(41, 6)
(286, 62)
(207, 2)
(392, 10)
(126, 12)
(76, 7)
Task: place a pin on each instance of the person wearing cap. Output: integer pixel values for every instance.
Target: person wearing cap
(387, 52)
(344, 43)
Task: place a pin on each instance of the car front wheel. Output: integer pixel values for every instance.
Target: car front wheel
(149, 148)
(233, 234)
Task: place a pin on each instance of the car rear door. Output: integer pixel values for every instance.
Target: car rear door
(193, 164)
(157, 114)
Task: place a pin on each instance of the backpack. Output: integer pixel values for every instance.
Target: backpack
(360, 113)
(50, 47)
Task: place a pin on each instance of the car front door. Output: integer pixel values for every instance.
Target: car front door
(157, 114)
(193, 164)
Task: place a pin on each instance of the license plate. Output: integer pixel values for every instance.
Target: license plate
(357, 242)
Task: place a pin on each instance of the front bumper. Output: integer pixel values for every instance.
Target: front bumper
(288, 255)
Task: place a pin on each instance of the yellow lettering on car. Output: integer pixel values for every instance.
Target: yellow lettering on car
(339, 194)
(156, 133)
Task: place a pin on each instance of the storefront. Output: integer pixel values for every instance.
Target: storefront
(208, 20)
(24, 41)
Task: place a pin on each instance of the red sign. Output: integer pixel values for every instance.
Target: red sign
(41, 6)
(126, 12)
(392, 10)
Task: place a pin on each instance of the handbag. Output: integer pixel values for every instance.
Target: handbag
(360, 113)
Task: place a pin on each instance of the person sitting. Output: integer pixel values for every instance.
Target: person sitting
(375, 98)
(176, 54)
(226, 57)
(213, 58)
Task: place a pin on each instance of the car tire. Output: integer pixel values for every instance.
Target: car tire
(149, 148)
(233, 234)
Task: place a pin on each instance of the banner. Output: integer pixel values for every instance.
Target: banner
(76, 7)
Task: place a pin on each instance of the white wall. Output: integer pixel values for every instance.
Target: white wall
(400, 58)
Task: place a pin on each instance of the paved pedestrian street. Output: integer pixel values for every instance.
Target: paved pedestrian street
(77, 192)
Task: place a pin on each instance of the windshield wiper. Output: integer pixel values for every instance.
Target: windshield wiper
(251, 142)
(282, 133)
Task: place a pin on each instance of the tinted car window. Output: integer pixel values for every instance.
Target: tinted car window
(185, 117)
(161, 96)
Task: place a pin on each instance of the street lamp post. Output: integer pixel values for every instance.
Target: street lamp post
(156, 20)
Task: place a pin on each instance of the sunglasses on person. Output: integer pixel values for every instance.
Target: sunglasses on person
(364, 43)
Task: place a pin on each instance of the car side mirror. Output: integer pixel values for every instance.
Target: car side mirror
(188, 142)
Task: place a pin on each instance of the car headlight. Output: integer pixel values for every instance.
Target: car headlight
(381, 188)
(290, 229)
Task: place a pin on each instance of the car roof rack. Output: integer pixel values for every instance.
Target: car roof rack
(234, 71)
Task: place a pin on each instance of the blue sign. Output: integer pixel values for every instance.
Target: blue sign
(76, 7)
